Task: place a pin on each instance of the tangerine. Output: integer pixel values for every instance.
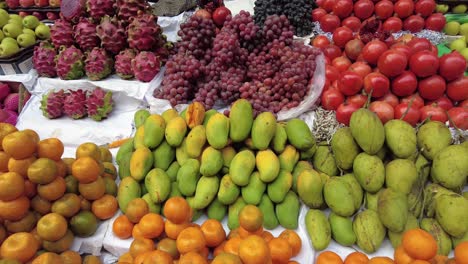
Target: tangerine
(226, 258)
(151, 225)
(136, 209)
(14, 210)
(11, 186)
(93, 190)
(68, 205)
(280, 250)
(86, 170)
(19, 145)
(71, 257)
(140, 246)
(253, 250)
(169, 246)
(419, 244)
(293, 239)
(177, 210)
(42, 171)
(25, 224)
(380, 260)
(105, 207)
(192, 258)
(52, 227)
(356, 258)
(20, 166)
(20, 246)
(53, 190)
(329, 257)
(158, 256)
(190, 239)
(401, 257)
(61, 245)
(48, 257)
(51, 148)
(173, 230)
(41, 205)
(122, 227)
(251, 218)
(4, 158)
(88, 149)
(214, 232)
(461, 253)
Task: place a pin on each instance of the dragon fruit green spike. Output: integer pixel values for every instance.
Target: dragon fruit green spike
(61, 33)
(99, 8)
(123, 64)
(143, 32)
(74, 104)
(85, 34)
(99, 64)
(145, 66)
(70, 65)
(99, 104)
(44, 59)
(112, 35)
(130, 8)
(52, 104)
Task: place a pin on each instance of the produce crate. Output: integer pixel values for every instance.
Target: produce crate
(19, 63)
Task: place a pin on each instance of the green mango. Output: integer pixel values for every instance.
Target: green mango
(208, 115)
(158, 185)
(382, 153)
(452, 214)
(140, 116)
(228, 190)
(400, 138)
(342, 229)
(344, 148)
(152, 206)
(211, 161)
(370, 232)
(450, 167)
(217, 131)
(357, 192)
(287, 211)
(163, 156)
(401, 175)
(169, 114)
(268, 165)
(465, 194)
(324, 161)
(183, 114)
(172, 171)
(216, 210)
(126, 147)
(195, 141)
(181, 153)
(187, 177)
(124, 165)
(310, 188)
(456, 241)
(196, 213)
(228, 154)
(263, 130)
(175, 131)
(300, 167)
(278, 189)
(280, 139)
(395, 237)
(338, 195)
(139, 139)
(241, 118)
(233, 213)
(431, 191)
(141, 163)
(175, 192)
(242, 166)
(253, 192)
(367, 130)
(129, 189)
(299, 134)
(308, 154)
(392, 207)
(143, 188)
(207, 188)
(433, 137)
(155, 127)
(318, 228)
(289, 158)
(372, 200)
(369, 171)
(444, 242)
(266, 206)
(423, 167)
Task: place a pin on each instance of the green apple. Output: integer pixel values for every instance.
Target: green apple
(459, 9)
(8, 49)
(2, 36)
(30, 22)
(442, 9)
(458, 44)
(26, 40)
(464, 53)
(8, 39)
(452, 28)
(464, 30)
(43, 31)
(29, 31)
(14, 18)
(12, 30)
(4, 17)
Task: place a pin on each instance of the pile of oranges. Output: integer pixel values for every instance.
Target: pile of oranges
(47, 200)
(177, 239)
(417, 247)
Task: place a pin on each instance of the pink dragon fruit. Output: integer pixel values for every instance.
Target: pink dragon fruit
(70, 65)
(85, 34)
(99, 64)
(74, 104)
(99, 8)
(99, 104)
(4, 90)
(11, 102)
(145, 66)
(52, 104)
(143, 32)
(3, 115)
(123, 64)
(71, 10)
(44, 60)
(61, 33)
(12, 117)
(130, 8)
(112, 35)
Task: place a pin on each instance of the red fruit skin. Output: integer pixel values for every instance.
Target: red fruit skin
(435, 22)
(402, 48)
(320, 42)
(384, 9)
(41, 3)
(329, 22)
(376, 83)
(363, 9)
(443, 102)
(383, 110)
(457, 90)
(415, 100)
(372, 51)
(332, 51)
(432, 87)
(353, 48)
(350, 83)
(424, 63)
(344, 112)
(452, 66)
(404, 8)
(343, 8)
(434, 113)
(331, 73)
(318, 13)
(341, 63)
(418, 44)
(414, 23)
(26, 3)
(361, 68)
(357, 99)
(458, 116)
(392, 63)
(331, 99)
(352, 23)
(328, 5)
(464, 104)
(392, 24)
(341, 36)
(425, 7)
(391, 99)
(405, 84)
(220, 15)
(203, 13)
(411, 116)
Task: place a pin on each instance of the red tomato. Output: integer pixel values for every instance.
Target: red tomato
(331, 99)
(383, 110)
(464, 104)
(384, 9)
(361, 68)
(392, 63)
(418, 44)
(391, 99)
(459, 117)
(341, 63)
(372, 51)
(457, 90)
(443, 102)
(352, 23)
(392, 24)
(452, 65)
(424, 7)
(432, 87)
(317, 13)
(343, 8)
(344, 112)
(328, 5)
(402, 48)
(353, 48)
(410, 115)
(350, 83)
(331, 73)
(424, 63)
(405, 84)
(363, 9)
(320, 42)
(329, 22)
(434, 113)
(415, 100)
(435, 22)
(341, 36)
(357, 99)
(332, 51)
(377, 84)
(404, 8)
(414, 23)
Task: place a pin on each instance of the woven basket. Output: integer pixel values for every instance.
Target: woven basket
(173, 7)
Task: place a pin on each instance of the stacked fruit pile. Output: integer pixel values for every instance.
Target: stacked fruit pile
(10, 102)
(42, 9)
(396, 15)
(454, 9)
(458, 27)
(32, 3)
(105, 38)
(96, 104)
(46, 200)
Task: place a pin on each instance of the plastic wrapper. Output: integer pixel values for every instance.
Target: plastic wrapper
(28, 79)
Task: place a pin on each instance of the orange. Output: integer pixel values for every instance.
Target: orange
(14, 210)
(91, 260)
(151, 225)
(52, 227)
(53, 190)
(88, 150)
(401, 257)
(111, 186)
(122, 227)
(48, 257)
(61, 168)
(226, 258)
(61, 245)
(33, 134)
(418, 261)
(26, 224)
(20, 166)
(136, 232)
(69, 163)
(67, 206)
(267, 236)
(41, 205)
(177, 210)
(11, 186)
(86, 170)
(136, 209)
(173, 230)
(158, 256)
(169, 246)
(140, 258)
(232, 245)
(4, 158)
(71, 257)
(280, 250)
(126, 258)
(93, 190)
(214, 232)
(51, 148)
(192, 258)
(328, 257)
(190, 239)
(419, 244)
(356, 258)
(233, 233)
(6, 129)
(251, 218)
(37, 237)
(254, 250)
(293, 240)
(84, 224)
(380, 260)
(243, 233)
(21, 246)
(105, 207)
(42, 171)
(220, 249)
(106, 155)
(141, 245)
(19, 145)
(85, 204)
(109, 170)
(461, 253)
(30, 189)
